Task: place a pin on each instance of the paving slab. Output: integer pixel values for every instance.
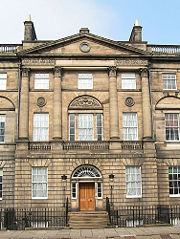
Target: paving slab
(175, 236)
(107, 233)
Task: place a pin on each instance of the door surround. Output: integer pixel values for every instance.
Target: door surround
(83, 176)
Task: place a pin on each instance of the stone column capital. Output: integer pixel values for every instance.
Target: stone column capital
(112, 71)
(144, 72)
(57, 71)
(25, 72)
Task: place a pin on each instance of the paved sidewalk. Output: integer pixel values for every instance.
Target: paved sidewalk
(108, 233)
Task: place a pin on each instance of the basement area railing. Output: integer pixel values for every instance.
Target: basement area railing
(22, 218)
(133, 216)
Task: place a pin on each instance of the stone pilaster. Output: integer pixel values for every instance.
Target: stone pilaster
(146, 106)
(24, 106)
(113, 107)
(57, 119)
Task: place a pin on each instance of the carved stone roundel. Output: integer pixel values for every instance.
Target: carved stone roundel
(129, 101)
(85, 102)
(41, 101)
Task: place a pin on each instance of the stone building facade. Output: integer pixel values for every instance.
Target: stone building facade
(86, 117)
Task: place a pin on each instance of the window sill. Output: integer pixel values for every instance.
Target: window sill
(174, 196)
(172, 141)
(170, 90)
(133, 196)
(39, 198)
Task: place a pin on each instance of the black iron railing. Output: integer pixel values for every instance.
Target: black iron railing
(67, 210)
(19, 219)
(131, 216)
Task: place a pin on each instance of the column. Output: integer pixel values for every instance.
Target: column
(113, 104)
(146, 105)
(57, 119)
(24, 106)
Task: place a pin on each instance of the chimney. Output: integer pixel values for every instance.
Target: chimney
(84, 30)
(29, 30)
(136, 33)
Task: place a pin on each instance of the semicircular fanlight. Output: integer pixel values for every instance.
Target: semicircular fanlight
(86, 171)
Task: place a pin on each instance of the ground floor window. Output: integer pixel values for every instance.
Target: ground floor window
(39, 182)
(133, 182)
(174, 181)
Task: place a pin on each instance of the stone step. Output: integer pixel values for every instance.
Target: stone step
(88, 219)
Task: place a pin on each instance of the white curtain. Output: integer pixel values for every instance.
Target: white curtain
(133, 181)
(41, 127)
(128, 81)
(41, 81)
(85, 81)
(130, 126)
(3, 81)
(85, 127)
(39, 182)
(169, 81)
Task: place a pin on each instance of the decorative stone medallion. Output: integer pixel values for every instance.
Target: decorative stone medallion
(129, 101)
(41, 101)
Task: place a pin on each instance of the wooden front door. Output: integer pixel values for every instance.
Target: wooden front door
(86, 197)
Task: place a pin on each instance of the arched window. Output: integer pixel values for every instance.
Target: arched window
(85, 119)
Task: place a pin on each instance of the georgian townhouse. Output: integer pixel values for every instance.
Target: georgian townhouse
(86, 118)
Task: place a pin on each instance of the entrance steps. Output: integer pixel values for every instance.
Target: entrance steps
(88, 219)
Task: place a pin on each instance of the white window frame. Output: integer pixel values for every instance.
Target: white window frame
(3, 81)
(2, 120)
(175, 176)
(173, 128)
(1, 183)
(41, 81)
(72, 127)
(99, 127)
(133, 179)
(40, 126)
(128, 81)
(129, 127)
(46, 183)
(85, 81)
(72, 188)
(168, 83)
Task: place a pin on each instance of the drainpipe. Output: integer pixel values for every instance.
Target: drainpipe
(19, 91)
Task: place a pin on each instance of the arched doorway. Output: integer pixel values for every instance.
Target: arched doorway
(86, 188)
